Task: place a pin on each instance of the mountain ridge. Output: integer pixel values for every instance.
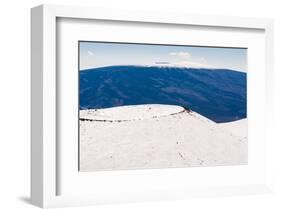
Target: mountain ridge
(218, 94)
(162, 66)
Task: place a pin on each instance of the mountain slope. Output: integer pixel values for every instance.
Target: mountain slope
(156, 136)
(217, 94)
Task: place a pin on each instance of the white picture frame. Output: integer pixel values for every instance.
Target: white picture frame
(45, 169)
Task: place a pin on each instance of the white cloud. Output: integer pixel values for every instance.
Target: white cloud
(90, 53)
(192, 64)
(181, 54)
(202, 59)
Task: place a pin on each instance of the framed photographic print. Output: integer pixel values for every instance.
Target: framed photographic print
(157, 106)
(130, 106)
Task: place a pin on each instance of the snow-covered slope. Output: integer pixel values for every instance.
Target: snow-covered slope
(238, 128)
(156, 136)
(130, 113)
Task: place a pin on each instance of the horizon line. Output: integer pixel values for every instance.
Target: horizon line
(162, 65)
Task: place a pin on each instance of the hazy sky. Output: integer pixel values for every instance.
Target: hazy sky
(98, 54)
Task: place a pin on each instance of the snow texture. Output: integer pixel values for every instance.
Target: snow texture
(157, 136)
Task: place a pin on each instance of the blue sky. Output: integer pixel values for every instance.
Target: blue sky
(98, 54)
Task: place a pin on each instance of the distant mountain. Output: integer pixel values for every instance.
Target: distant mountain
(218, 94)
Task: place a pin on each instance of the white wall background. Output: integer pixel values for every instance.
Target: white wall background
(15, 98)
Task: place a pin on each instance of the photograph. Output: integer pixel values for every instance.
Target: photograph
(156, 106)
